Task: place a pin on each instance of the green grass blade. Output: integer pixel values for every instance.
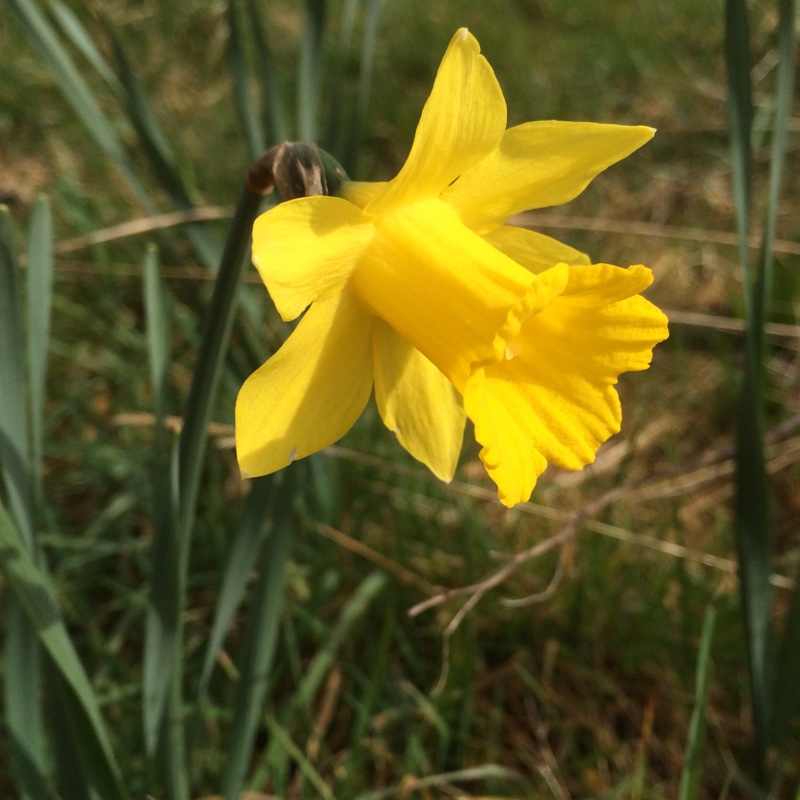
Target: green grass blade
(753, 513)
(368, 45)
(282, 737)
(73, 781)
(39, 298)
(164, 169)
(787, 687)
(763, 281)
(210, 359)
(75, 31)
(690, 777)
(159, 637)
(211, 356)
(141, 115)
(32, 588)
(76, 92)
(23, 681)
(276, 124)
(237, 58)
(173, 753)
(172, 571)
(23, 715)
(310, 72)
(248, 540)
(753, 536)
(158, 152)
(160, 631)
(14, 450)
(320, 665)
(740, 122)
(784, 96)
(337, 109)
(485, 772)
(260, 640)
(787, 668)
(158, 328)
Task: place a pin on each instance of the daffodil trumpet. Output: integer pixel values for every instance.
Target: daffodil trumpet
(419, 289)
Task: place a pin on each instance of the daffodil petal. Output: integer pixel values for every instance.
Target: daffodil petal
(555, 401)
(305, 249)
(418, 403)
(463, 120)
(360, 193)
(539, 164)
(451, 295)
(310, 392)
(534, 251)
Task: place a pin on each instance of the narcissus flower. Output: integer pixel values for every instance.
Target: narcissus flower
(418, 288)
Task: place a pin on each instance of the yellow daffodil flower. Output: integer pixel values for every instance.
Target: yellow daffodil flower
(418, 288)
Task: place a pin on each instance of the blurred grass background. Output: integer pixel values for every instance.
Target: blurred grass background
(589, 692)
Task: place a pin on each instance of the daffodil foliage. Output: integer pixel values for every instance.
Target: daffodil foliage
(419, 289)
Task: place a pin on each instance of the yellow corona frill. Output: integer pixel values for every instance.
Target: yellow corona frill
(418, 288)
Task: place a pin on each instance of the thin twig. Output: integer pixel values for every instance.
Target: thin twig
(538, 597)
(567, 532)
(534, 219)
(136, 227)
(637, 490)
(379, 559)
(688, 477)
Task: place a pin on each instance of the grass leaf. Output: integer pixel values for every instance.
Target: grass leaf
(159, 634)
(690, 776)
(250, 535)
(310, 72)
(281, 735)
(14, 450)
(787, 689)
(337, 109)
(39, 297)
(75, 31)
(23, 716)
(22, 687)
(237, 58)
(784, 96)
(301, 699)
(76, 92)
(191, 450)
(261, 636)
(32, 588)
(158, 329)
(368, 45)
(210, 359)
(753, 514)
(484, 772)
(753, 536)
(158, 152)
(276, 123)
(353, 610)
(740, 121)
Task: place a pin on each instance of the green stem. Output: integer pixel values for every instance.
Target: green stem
(194, 435)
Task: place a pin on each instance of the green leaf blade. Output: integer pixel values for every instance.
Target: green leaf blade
(14, 449)
(34, 592)
(39, 295)
(75, 90)
(690, 776)
(260, 641)
(237, 58)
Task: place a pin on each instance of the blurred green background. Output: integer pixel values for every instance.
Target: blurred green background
(587, 693)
